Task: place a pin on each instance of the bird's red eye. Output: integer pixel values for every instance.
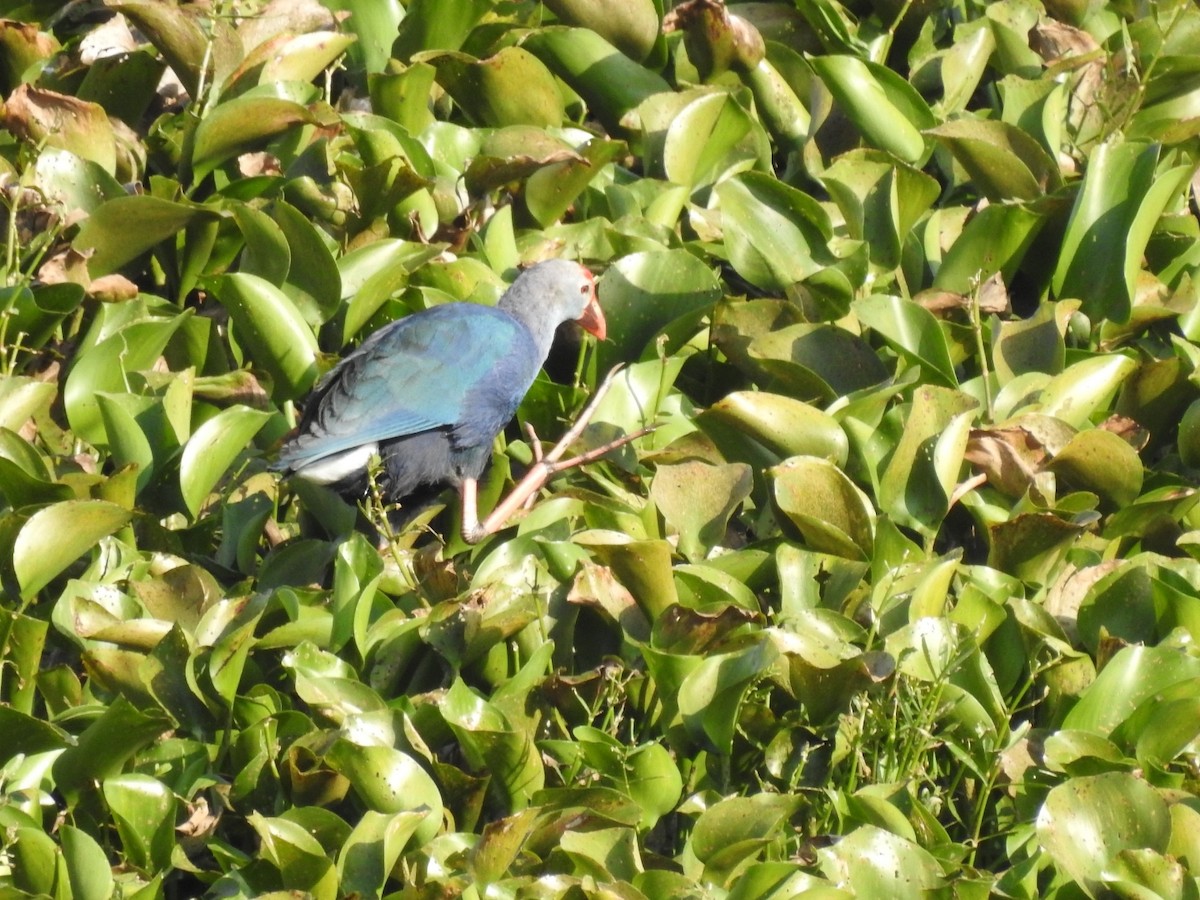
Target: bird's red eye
(585, 289)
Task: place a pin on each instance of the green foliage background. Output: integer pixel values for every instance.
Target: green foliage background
(901, 598)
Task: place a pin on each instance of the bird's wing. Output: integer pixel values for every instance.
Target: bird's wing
(420, 373)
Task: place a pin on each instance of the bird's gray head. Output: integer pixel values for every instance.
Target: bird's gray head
(552, 292)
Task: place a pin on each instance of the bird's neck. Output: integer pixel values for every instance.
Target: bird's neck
(537, 321)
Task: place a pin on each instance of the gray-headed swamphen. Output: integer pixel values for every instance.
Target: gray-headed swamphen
(429, 393)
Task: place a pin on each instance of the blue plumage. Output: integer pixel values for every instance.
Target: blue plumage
(430, 392)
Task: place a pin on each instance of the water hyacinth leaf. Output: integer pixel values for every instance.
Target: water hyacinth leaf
(1029, 545)
(376, 24)
(711, 694)
(552, 189)
(710, 137)
(785, 426)
(371, 851)
(1130, 678)
(643, 292)
(885, 108)
(824, 507)
(297, 855)
(143, 809)
(22, 733)
(175, 33)
(604, 852)
(652, 779)
(1084, 388)
(815, 361)
(24, 46)
(1029, 345)
(313, 281)
(104, 747)
(210, 452)
(1102, 462)
(611, 83)
(697, 499)
(1004, 162)
(915, 487)
(1117, 810)
(738, 828)
(490, 743)
(305, 56)
(389, 781)
(127, 441)
(513, 154)
(54, 537)
(878, 863)
(404, 96)
(35, 860)
(773, 232)
(123, 228)
(1121, 199)
(911, 330)
(75, 182)
(994, 240)
(430, 25)
(271, 328)
(880, 199)
(632, 26)
(88, 870)
(21, 399)
(267, 253)
(240, 125)
(513, 87)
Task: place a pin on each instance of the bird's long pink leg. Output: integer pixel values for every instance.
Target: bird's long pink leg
(543, 469)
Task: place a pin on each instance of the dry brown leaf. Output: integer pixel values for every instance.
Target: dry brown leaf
(113, 288)
(993, 299)
(1053, 40)
(993, 296)
(1009, 457)
(83, 128)
(1128, 430)
(66, 265)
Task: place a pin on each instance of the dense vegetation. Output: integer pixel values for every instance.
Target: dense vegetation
(901, 597)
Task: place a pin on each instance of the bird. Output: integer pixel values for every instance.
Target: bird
(427, 395)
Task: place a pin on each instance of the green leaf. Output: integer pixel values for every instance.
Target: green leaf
(54, 537)
(213, 448)
(711, 694)
(389, 782)
(773, 232)
(611, 83)
(738, 828)
(90, 874)
(1122, 197)
(273, 331)
(1117, 811)
(1004, 162)
(824, 507)
(885, 108)
(644, 292)
(915, 487)
(513, 87)
(143, 809)
(697, 499)
(876, 863)
(708, 139)
(912, 330)
(123, 228)
(240, 125)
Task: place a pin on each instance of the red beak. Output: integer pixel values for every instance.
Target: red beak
(592, 319)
